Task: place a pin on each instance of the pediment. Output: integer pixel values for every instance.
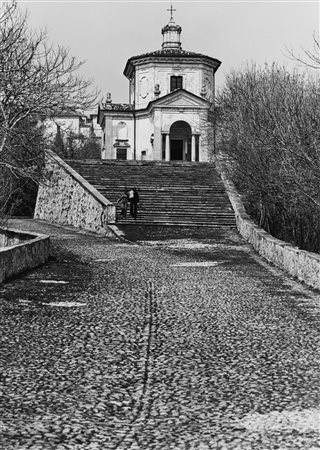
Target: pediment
(180, 99)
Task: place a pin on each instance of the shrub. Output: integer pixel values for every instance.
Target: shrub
(269, 126)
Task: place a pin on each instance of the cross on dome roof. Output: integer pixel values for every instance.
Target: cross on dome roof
(171, 11)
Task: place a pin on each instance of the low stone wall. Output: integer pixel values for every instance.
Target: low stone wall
(10, 237)
(299, 263)
(66, 198)
(21, 251)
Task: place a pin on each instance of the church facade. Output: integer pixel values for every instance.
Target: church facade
(170, 113)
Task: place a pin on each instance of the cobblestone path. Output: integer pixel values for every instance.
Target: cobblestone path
(190, 343)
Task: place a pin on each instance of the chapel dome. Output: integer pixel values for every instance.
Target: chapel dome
(171, 51)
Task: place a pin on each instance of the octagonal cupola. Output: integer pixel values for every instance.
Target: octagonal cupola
(171, 34)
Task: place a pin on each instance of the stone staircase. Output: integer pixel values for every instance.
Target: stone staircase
(171, 193)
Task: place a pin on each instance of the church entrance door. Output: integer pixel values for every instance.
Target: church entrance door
(176, 150)
(180, 141)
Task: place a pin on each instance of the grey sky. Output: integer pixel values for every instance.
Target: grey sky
(106, 33)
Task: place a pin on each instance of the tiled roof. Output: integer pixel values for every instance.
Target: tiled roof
(118, 106)
(171, 52)
(165, 53)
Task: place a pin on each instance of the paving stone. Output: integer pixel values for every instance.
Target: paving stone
(196, 356)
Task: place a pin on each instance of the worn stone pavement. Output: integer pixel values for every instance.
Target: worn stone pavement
(184, 340)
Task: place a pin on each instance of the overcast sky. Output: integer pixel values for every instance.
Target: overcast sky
(107, 33)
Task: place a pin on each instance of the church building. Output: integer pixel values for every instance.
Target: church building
(170, 113)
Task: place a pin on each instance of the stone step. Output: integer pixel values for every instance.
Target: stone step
(190, 194)
(178, 223)
(200, 207)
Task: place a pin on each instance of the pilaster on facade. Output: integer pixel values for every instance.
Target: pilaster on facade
(193, 147)
(167, 148)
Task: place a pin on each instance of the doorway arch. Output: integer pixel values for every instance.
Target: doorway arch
(180, 141)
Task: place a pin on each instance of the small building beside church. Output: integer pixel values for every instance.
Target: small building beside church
(80, 125)
(170, 112)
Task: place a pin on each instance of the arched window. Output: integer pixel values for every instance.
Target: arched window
(122, 131)
(122, 143)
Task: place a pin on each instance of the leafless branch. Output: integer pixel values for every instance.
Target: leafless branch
(37, 80)
(310, 58)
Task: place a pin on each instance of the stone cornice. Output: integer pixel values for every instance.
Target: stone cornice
(173, 56)
(159, 102)
(120, 110)
(154, 104)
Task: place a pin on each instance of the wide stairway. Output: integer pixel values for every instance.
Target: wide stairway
(171, 193)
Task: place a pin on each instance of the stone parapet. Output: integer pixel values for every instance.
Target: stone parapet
(21, 251)
(66, 198)
(303, 265)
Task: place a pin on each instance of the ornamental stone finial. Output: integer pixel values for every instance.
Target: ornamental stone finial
(157, 91)
(203, 91)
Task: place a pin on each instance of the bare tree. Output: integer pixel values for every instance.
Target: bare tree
(36, 80)
(269, 125)
(309, 58)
